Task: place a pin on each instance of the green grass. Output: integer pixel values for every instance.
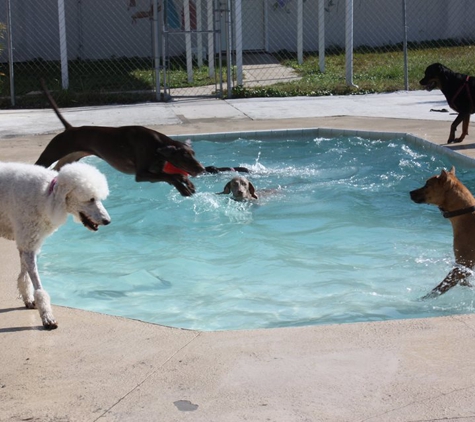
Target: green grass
(94, 81)
(129, 80)
(373, 72)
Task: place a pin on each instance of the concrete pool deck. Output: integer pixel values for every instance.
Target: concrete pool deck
(99, 367)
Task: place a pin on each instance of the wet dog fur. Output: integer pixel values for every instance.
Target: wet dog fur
(240, 188)
(457, 204)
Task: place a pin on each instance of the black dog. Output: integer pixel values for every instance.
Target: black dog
(216, 170)
(459, 90)
(149, 155)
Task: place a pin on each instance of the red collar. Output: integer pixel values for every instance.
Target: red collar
(464, 85)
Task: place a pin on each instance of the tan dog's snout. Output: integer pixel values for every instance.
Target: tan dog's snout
(418, 195)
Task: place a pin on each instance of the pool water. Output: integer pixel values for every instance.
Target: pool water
(337, 240)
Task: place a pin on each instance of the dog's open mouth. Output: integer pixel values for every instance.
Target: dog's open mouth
(88, 223)
(169, 168)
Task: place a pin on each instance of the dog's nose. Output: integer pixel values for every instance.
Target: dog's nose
(105, 222)
(416, 196)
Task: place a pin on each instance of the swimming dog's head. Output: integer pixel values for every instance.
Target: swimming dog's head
(240, 188)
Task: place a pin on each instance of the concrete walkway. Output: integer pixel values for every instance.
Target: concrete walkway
(102, 368)
(415, 105)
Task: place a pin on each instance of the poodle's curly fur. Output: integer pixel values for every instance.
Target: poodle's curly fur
(35, 202)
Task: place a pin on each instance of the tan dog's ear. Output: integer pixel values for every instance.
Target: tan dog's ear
(252, 190)
(443, 176)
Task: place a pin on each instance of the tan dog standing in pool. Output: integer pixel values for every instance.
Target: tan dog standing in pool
(458, 205)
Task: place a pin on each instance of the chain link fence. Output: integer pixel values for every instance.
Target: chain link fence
(96, 52)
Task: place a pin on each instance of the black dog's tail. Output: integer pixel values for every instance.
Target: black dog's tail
(66, 124)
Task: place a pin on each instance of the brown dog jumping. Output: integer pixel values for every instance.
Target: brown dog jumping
(458, 205)
(149, 155)
(459, 90)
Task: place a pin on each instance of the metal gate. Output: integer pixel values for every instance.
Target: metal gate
(196, 38)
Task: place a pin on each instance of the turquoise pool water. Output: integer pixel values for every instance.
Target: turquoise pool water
(338, 241)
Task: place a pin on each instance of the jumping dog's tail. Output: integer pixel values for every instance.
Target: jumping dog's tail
(66, 124)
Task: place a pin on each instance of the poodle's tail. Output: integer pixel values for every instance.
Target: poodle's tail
(66, 124)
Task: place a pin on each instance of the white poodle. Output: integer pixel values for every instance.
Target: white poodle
(34, 202)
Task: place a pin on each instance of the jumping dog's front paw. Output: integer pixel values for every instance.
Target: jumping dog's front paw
(190, 186)
(184, 186)
(184, 191)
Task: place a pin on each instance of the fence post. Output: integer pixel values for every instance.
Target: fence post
(229, 64)
(189, 53)
(156, 49)
(63, 47)
(266, 25)
(219, 43)
(300, 31)
(199, 35)
(404, 45)
(238, 26)
(349, 43)
(321, 35)
(10, 52)
(211, 35)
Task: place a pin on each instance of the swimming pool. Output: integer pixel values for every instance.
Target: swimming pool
(338, 240)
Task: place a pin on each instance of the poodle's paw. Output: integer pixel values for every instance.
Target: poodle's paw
(44, 307)
(49, 322)
(30, 304)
